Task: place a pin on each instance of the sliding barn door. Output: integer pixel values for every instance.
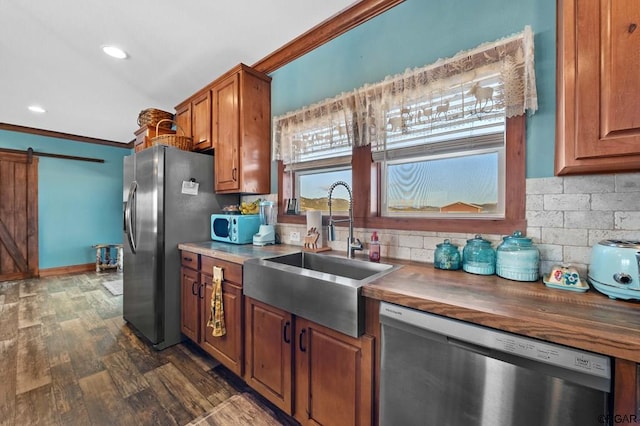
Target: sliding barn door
(18, 216)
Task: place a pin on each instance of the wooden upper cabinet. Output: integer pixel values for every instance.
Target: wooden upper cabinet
(226, 128)
(193, 116)
(598, 99)
(232, 117)
(201, 122)
(183, 119)
(241, 129)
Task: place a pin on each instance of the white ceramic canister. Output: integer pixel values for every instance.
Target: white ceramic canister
(517, 258)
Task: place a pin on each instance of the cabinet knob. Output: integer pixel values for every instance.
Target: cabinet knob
(632, 27)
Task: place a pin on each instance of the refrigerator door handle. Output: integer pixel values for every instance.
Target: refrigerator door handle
(128, 216)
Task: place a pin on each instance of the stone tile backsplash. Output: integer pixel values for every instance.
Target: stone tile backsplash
(566, 216)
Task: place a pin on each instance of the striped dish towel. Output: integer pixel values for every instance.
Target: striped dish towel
(216, 320)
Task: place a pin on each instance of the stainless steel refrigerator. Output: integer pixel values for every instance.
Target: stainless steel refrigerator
(162, 208)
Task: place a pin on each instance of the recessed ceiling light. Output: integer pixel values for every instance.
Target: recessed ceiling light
(114, 52)
(37, 108)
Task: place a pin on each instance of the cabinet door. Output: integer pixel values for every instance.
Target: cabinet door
(333, 379)
(183, 119)
(268, 352)
(228, 348)
(201, 122)
(190, 305)
(226, 133)
(598, 126)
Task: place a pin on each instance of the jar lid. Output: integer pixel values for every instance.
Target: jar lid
(517, 239)
(478, 240)
(446, 243)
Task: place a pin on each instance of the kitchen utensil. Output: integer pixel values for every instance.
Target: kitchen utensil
(517, 258)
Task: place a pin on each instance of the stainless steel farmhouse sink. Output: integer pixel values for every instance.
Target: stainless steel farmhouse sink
(322, 288)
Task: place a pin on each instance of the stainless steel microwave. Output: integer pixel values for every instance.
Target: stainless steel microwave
(234, 228)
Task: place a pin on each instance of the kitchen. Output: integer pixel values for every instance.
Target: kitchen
(565, 215)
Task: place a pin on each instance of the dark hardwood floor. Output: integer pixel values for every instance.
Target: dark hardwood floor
(68, 358)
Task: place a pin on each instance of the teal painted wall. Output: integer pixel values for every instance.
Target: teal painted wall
(417, 33)
(79, 203)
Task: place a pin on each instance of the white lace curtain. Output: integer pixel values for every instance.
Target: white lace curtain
(495, 79)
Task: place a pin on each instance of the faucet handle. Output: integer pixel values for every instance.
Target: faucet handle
(331, 231)
(356, 244)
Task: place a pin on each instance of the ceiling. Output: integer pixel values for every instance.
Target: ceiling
(51, 55)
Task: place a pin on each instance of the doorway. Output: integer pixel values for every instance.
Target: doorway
(18, 216)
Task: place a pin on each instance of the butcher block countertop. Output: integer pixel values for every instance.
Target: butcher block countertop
(589, 321)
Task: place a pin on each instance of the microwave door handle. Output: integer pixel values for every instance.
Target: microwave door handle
(229, 228)
(129, 229)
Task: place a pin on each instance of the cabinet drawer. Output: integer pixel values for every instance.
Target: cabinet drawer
(188, 259)
(232, 271)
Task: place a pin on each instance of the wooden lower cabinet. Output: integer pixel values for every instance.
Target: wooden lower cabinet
(196, 290)
(318, 375)
(269, 352)
(333, 376)
(626, 392)
(228, 348)
(190, 304)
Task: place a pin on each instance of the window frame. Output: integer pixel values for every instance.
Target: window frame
(366, 203)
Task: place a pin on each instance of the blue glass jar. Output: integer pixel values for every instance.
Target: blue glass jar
(478, 257)
(517, 258)
(447, 256)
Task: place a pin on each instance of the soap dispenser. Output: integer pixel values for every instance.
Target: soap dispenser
(374, 248)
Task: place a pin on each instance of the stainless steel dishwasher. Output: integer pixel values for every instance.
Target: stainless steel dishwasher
(445, 372)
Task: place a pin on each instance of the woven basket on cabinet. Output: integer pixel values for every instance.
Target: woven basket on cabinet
(178, 141)
(152, 116)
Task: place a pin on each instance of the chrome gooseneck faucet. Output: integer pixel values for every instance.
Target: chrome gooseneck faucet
(353, 244)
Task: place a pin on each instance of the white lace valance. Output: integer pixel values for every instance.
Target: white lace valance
(474, 89)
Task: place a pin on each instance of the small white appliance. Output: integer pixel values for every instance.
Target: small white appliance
(267, 233)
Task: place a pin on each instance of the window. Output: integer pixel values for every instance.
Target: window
(312, 187)
(465, 185)
(443, 155)
(436, 148)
